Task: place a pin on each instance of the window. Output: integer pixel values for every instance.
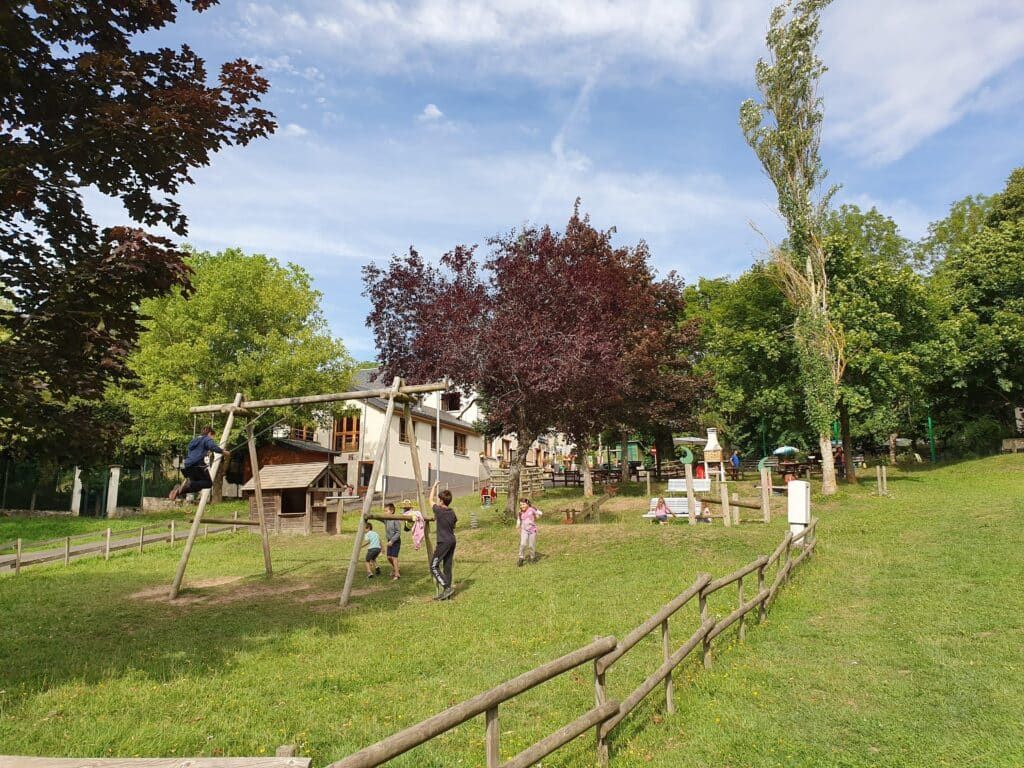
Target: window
(460, 444)
(302, 433)
(403, 436)
(433, 437)
(487, 448)
(346, 434)
(451, 401)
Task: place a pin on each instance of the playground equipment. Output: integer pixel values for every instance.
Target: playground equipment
(398, 392)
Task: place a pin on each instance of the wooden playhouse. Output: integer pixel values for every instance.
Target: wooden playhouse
(295, 497)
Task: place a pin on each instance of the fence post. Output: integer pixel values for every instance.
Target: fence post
(106, 546)
(142, 537)
(766, 495)
(885, 480)
(17, 558)
(743, 617)
(666, 652)
(878, 479)
(789, 548)
(760, 588)
(723, 487)
(735, 508)
(492, 738)
(172, 533)
(234, 516)
(600, 697)
(67, 549)
(206, 530)
(705, 643)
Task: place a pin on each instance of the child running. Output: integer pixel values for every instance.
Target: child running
(527, 525)
(371, 540)
(444, 552)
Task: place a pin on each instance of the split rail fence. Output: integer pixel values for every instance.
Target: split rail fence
(607, 713)
(18, 554)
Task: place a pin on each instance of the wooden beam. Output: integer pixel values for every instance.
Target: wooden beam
(411, 389)
(258, 490)
(414, 455)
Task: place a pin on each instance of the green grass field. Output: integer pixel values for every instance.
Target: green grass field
(899, 644)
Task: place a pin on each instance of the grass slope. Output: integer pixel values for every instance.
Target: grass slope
(898, 645)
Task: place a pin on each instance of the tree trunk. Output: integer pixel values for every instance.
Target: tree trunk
(892, 449)
(828, 467)
(583, 460)
(624, 453)
(514, 473)
(32, 502)
(844, 433)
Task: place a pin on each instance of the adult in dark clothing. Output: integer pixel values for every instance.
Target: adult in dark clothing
(197, 476)
(444, 551)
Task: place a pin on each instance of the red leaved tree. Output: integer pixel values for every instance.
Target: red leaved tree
(80, 108)
(541, 330)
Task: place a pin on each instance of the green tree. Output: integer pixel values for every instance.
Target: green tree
(251, 326)
(981, 286)
(785, 134)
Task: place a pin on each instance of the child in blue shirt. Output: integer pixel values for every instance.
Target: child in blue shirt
(372, 540)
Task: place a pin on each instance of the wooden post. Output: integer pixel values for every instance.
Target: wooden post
(258, 490)
(206, 530)
(106, 546)
(647, 475)
(204, 499)
(878, 479)
(705, 643)
(172, 533)
(786, 563)
(885, 480)
(492, 736)
(600, 697)
(234, 516)
(309, 512)
(735, 508)
(142, 537)
(766, 495)
(357, 544)
(743, 628)
(666, 652)
(17, 558)
(691, 502)
(723, 488)
(417, 473)
(761, 611)
(67, 549)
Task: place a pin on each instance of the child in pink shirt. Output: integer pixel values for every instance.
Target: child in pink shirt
(527, 525)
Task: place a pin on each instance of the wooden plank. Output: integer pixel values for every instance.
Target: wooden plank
(417, 734)
(11, 761)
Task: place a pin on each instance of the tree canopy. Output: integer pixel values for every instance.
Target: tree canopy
(81, 108)
(251, 325)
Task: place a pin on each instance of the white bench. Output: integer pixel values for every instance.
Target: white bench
(676, 507)
(700, 485)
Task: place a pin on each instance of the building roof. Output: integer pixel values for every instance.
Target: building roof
(304, 445)
(283, 476)
(369, 378)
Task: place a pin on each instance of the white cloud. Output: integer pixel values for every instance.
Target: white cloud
(429, 113)
(901, 72)
(294, 130)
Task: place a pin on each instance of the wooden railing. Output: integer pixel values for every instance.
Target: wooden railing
(607, 713)
(18, 554)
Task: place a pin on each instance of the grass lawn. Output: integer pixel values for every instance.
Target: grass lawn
(899, 644)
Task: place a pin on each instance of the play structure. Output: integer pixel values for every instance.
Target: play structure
(399, 392)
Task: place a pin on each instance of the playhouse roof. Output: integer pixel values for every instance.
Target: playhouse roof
(284, 476)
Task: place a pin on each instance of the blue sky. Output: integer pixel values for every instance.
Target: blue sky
(436, 122)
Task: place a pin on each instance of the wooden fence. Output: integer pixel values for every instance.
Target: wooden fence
(18, 554)
(604, 652)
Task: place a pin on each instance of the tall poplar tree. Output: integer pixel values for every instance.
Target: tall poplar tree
(785, 133)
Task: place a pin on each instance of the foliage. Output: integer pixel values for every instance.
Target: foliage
(251, 326)
(81, 108)
(980, 284)
(785, 134)
(528, 331)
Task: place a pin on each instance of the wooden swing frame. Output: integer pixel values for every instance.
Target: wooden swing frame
(398, 392)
